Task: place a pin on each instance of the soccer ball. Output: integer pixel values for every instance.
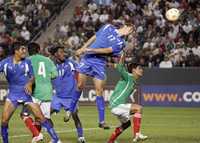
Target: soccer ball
(172, 14)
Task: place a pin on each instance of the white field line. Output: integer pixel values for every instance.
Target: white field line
(59, 132)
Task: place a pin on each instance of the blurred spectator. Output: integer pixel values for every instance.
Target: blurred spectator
(192, 59)
(154, 36)
(166, 63)
(2, 54)
(25, 34)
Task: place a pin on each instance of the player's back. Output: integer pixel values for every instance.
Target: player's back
(44, 70)
(106, 37)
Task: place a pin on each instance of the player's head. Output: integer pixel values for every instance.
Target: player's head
(136, 69)
(59, 53)
(126, 29)
(19, 50)
(33, 48)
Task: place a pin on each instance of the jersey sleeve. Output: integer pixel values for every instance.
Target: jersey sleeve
(54, 72)
(122, 70)
(117, 47)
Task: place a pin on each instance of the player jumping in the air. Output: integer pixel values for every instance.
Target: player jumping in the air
(108, 41)
(64, 86)
(19, 74)
(44, 71)
(118, 101)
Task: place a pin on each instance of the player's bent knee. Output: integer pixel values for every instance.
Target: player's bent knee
(99, 91)
(136, 108)
(126, 125)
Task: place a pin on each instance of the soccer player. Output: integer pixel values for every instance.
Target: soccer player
(120, 108)
(44, 70)
(64, 86)
(19, 74)
(108, 41)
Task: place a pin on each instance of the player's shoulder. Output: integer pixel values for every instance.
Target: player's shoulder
(109, 27)
(8, 59)
(71, 63)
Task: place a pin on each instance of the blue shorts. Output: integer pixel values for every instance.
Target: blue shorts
(19, 98)
(92, 69)
(58, 103)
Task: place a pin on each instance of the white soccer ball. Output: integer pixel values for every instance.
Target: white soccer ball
(172, 14)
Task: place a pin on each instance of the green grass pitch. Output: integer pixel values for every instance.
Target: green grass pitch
(162, 125)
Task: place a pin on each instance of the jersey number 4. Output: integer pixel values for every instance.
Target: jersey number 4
(41, 69)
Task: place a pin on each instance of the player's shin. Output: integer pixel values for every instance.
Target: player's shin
(101, 108)
(30, 125)
(4, 133)
(74, 101)
(50, 130)
(118, 131)
(137, 122)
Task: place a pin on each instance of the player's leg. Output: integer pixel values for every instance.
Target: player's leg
(79, 127)
(30, 124)
(122, 112)
(35, 108)
(136, 110)
(76, 95)
(119, 130)
(100, 103)
(8, 110)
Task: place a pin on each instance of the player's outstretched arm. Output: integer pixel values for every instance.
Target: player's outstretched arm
(99, 50)
(85, 46)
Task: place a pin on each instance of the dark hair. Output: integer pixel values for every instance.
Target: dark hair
(53, 50)
(16, 46)
(132, 66)
(33, 48)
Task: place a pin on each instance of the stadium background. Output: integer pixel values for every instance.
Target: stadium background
(170, 53)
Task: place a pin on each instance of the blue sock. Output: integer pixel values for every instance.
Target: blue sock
(79, 131)
(101, 108)
(74, 101)
(4, 133)
(50, 130)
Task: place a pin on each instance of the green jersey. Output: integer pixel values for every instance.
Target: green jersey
(124, 87)
(44, 70)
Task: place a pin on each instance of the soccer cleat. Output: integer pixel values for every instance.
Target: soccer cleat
(104, 126)
(81, 140)
(37, 138)
(67, 116)
(139, 137)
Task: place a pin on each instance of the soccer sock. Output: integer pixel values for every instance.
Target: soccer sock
(101, 108)
(115, 134)
(136, 121)
(50, 130)
(38, 126)
(30, 125)
(4, 133)
(74, 101)
(79, 131)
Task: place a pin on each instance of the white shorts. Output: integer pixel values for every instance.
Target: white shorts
(122, 112)
(44, 106)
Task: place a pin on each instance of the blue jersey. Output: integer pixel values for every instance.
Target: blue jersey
(65, 83)
(17, 75)
(93, 65)
(107, 36)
